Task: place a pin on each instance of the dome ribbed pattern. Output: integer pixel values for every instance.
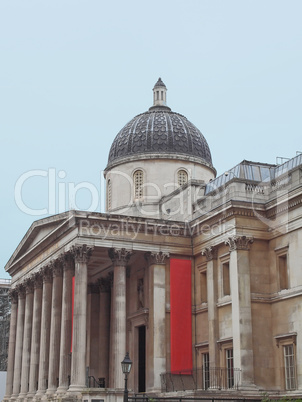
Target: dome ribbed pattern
(159, 131)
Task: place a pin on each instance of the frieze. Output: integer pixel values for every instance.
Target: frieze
(239, 242)
(158, 258)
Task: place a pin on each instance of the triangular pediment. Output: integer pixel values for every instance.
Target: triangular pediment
(38, 233)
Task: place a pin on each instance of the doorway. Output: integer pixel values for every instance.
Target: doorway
(142, 359)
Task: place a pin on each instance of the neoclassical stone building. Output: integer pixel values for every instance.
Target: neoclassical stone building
(198, 277)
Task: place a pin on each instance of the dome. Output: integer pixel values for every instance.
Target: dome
(159, 133)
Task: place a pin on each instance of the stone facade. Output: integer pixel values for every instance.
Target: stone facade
(98, 285)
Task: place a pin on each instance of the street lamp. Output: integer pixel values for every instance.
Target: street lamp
(126, 367)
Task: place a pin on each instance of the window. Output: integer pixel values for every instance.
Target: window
(229, 367)
(283, 276)
(226, 291)
(109, 195)
(203, 286)
(138, 180)
(182, 177)
(289, 367)
(282, 268)
(205, 370)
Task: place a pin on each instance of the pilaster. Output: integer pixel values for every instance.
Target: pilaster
(212, 292)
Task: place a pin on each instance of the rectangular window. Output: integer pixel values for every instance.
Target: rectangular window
(203, 287)
(205, 370)
(289, 367)
(283, 276)
(230, 368)
(226, 279)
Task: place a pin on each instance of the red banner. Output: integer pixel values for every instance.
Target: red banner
(181, 315)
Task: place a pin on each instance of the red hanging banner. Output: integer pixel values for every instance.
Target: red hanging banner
(181, 316)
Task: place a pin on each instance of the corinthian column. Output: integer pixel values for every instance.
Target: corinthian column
(120, 258)
(65, 344)
(11, 344)
(19, 341)
(27, 337)
(35, 339)
(55, 329)
(45, 330)
(241, 308)
(157, 318)
(81, 256)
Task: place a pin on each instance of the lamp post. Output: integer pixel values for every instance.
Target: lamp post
(126, 367)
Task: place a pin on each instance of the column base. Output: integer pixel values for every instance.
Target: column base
(248, 387)
(62, 390)
(74, 388)
(51, 391)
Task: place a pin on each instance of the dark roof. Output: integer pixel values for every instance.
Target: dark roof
(159, 131)
(159, 83)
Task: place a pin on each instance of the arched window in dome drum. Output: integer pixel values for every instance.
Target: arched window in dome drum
(182, 177)
(138, 181)
(109, 195)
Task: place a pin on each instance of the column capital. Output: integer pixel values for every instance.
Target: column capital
(210, 253)
(157, 258)
(21, 291)
(29, 285)
(119, 256)
(38, 280)
(13, 294)
(239, 242)
(65, 260)
(56, 267)
(81, 253)
(46, 273)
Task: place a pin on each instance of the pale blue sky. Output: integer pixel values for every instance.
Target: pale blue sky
(73, 73)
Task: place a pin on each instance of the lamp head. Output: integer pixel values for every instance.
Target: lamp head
(126, 364)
